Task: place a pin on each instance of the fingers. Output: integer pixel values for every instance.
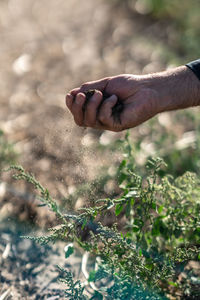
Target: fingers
(105, 116)
(75, 105)
(77, 109)
(84, 113)
(69, 101)
(94, 113)
(91, 110)
(75, 100)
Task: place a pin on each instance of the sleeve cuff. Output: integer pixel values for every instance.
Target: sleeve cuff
(195, 67)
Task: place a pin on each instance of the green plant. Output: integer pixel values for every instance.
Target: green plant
(74, 290)
(144, 255)
(7, 153)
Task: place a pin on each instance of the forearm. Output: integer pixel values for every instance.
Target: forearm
(178, 88)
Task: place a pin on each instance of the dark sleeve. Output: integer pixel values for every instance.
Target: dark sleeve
(195, 67)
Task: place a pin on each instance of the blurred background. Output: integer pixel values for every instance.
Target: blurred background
(48, 48)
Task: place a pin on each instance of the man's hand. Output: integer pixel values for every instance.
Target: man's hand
(142, 97)
(139, 103)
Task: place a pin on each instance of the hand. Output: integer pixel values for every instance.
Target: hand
(139, 103)
(142, 97)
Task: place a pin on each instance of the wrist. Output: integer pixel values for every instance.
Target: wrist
(176, 89)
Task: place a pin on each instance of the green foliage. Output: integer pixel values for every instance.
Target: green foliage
(7, 153)
(69, 251)
(74, 290)
(143, 257)
(44, 196)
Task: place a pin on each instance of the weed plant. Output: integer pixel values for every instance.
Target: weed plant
(7, 154)
(146, 257)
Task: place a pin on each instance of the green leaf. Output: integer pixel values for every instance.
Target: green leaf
(128, 209)
(128, 235)
(84, 223)
(155, 230)
(138, 222)
(122, 165)
(122, 177)
(46, 193)
(118, 209)
(160, 209)
(177, 233)
(173, 283)
(153, 205)
(70, 251)
(149, 266)
(92, 276)
(135, 228)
